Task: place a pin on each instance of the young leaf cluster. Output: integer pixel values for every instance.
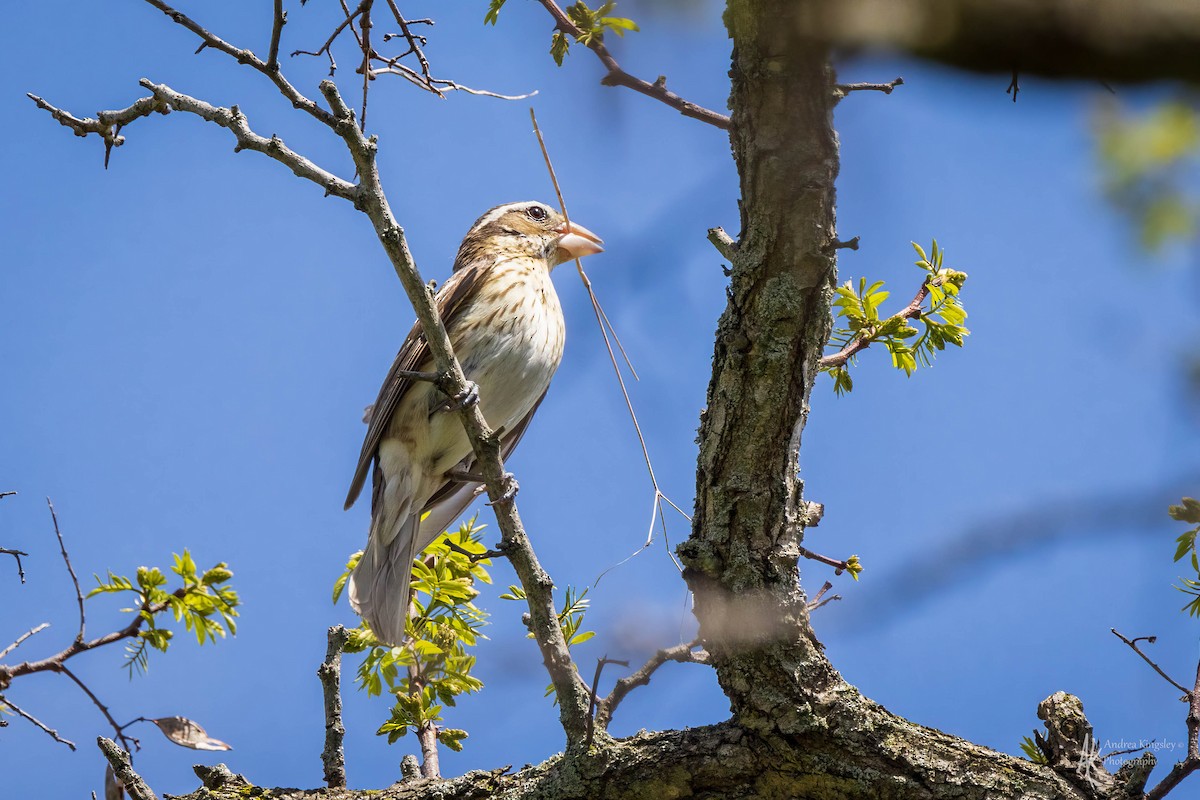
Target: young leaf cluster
(857, 319)
(592, 25)
(205, 603)
(1185, 546)
(433, 665)
(570, 617)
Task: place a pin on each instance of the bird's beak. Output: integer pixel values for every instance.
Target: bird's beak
(577, 241)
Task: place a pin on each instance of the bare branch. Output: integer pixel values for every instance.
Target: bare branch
(23, 637)
(279, 20)
(249, 59)
(330, 672)
(817, 600)
(683, 653)
(724, 243)
(594, 698)
(843, 89)
(1133, 645)
(17, 555)
(849, 244)
(67, 560)
(126, 741)
(53, 734)
(1191, 763)
(619, 77)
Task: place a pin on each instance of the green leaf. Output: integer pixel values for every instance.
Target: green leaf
(559, 45)
(452, 738)
(1032, 751)
(493, 12)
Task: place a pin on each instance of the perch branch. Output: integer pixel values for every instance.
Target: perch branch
(573, 701)
(619, 77)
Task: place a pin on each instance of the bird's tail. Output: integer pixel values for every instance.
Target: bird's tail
(379, 584)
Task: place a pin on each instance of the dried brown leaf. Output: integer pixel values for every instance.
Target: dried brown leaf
(186, 733)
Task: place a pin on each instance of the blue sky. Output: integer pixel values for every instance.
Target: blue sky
(190, 337)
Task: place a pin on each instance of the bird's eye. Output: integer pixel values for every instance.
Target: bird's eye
(536, 212)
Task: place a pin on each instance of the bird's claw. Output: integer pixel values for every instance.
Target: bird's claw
(511, 487)
(465, 398)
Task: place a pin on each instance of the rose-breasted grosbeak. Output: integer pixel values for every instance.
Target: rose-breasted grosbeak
(506, 326)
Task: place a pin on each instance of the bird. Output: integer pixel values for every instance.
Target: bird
(506, 326)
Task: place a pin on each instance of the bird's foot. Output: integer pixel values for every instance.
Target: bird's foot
(511, 487)
(468, 397)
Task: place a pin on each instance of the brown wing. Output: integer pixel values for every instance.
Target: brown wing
(452, 497)
(412, 356)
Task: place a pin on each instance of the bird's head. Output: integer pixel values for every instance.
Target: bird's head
(529, 228)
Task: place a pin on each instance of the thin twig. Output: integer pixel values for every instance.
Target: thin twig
(1133, 645)
(817, 602)
(17, 555)
(279, 19)
(843, 89)
(67, 560)
(619, 77)
(333, 756)
(838, 566)
(600, 664)
(126, 741)
(243, 56)
(683, 653)
(365, 25)
(23, 637)
(53, 734)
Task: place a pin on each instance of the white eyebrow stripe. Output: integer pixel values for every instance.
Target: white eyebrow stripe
(498, 212)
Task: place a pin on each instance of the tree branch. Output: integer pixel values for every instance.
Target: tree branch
(619, 77)
(843, 89)
(1191, 763)
(863, 340)
(274, 74)
(1133, 645)
(682, 653)
(53, 734)
(333, 757)
(74, 580)
(128, 742)
(17, 642)
(279, 17)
